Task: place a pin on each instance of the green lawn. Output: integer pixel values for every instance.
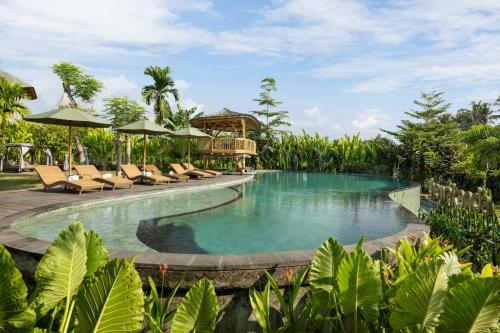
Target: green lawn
(18, 181)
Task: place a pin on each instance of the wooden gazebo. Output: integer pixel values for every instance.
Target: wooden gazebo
(222, 122)
(29, 89)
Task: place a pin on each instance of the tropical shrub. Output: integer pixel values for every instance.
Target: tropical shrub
(314, 153)
(79, 289)
(466, 228)
(427, 289)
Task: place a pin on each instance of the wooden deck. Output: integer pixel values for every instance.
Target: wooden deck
(14, 202)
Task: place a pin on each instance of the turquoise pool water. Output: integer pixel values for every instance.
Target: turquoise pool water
(275, 212)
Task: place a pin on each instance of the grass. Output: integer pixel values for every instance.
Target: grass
(18, 181)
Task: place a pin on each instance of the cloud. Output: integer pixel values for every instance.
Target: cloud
(367, 122)
(370, 119)
(119, 85)
(182, 85)
(379, 47)
(98, 27)
(188, 103)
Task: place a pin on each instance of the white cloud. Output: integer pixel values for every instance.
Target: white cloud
(370, 119)
(119, 85)
(367, 122)
(413, 42)
(182, 85)
(188, 103)
(98, 27)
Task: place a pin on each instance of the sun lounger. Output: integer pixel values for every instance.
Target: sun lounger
(192, 167)
(192, 174)
(154, 169)
(92, 173)
(52, 176)
(133, 173)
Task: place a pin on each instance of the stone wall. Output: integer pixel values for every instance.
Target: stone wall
(409, 198)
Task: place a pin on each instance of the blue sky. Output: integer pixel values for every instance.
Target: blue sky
(341, 66)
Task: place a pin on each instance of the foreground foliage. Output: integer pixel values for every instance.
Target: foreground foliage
(79, 289)
(428, 290)
(421, 285)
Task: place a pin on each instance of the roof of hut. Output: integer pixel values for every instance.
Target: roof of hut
(30, 90)
(227, 121)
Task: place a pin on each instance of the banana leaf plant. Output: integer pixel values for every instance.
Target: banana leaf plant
(432, 291)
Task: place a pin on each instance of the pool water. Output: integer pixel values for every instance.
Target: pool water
(275, 212)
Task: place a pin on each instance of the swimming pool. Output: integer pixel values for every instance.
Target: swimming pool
(275, 212)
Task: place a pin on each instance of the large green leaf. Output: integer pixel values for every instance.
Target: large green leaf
(111, 300)
(97, 253)
(359, 285)
(260, 306)
(61, 269)
(13, 293)
(420, 299)
(472, 306)
(324, 268)
(198, 310)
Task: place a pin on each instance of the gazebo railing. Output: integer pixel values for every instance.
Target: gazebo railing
(226, 146)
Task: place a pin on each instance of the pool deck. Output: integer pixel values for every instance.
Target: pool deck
(227, 271)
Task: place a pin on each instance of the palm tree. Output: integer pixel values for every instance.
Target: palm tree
(158, 93)
(10, 100)
(479, 114)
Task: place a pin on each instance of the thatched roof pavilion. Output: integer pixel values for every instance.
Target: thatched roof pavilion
(233, 147)
(30, 90)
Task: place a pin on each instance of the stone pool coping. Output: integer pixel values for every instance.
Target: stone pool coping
(244, 268)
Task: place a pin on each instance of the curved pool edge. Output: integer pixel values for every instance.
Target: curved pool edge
(228, 272)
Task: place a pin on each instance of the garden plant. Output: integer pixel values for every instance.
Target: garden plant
(421, 285)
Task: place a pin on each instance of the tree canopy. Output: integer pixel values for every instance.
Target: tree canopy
(274, 119)
(429, 137)
(123, 110)
(76, 83)
(480, 113)
(10, 100)
(157, 93)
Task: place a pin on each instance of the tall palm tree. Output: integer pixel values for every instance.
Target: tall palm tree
(158, 92)
(10, 101)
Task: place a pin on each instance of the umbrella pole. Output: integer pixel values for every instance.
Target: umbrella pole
(69, 149)
(144, 154)
(189, 150)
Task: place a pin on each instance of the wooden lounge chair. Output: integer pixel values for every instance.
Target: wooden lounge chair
(133, 173)
(52, 176)
(92, 173)
(192, 174)
(189, 166)
(154, 169)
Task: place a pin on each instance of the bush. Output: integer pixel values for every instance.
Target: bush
(418, 286)
(466, 228)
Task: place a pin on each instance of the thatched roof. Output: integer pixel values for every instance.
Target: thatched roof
(30, 90)
(227, 121)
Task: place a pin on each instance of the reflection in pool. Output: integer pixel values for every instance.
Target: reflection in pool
(276, 212)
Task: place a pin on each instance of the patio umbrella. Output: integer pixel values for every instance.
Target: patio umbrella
(190, 132)
(144, 127)
(68, 116)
